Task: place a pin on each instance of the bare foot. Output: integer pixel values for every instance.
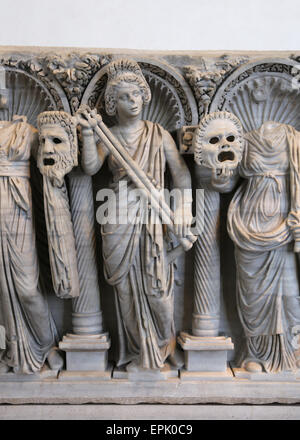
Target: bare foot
(55, 359)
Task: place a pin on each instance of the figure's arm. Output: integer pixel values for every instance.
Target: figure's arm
(93, 155)
(182, 181)
(178, 168)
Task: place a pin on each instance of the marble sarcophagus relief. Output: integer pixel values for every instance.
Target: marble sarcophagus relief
(150, 227)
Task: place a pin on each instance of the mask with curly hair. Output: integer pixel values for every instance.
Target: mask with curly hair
(218, 141)
(58, 150)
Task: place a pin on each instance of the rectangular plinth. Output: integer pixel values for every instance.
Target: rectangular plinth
(205, 354)
(83, 361)
(85, 353)
(205, 360)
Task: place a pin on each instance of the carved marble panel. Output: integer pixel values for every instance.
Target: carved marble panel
(140, 309)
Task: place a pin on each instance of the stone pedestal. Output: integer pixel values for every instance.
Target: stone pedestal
(205, 354)
(86, 353)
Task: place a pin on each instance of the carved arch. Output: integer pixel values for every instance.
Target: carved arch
(28, 95)
(260, 91)
(172, 105)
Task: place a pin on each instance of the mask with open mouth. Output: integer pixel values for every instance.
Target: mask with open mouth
(57, 156)
(58, 148)
(218, 142)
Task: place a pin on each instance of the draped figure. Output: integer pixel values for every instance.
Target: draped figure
(134, 249)
(135, 262)
(29, 327)
(263, 222)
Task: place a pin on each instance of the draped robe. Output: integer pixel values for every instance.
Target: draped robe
(30, 330)
(263, 221)
(135, 261)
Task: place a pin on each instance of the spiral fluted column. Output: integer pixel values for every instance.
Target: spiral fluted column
(206, 314)
(87, 314)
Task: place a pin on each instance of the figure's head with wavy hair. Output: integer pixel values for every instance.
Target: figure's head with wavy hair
(123, 72)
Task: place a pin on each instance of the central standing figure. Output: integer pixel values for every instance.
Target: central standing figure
(135, 254)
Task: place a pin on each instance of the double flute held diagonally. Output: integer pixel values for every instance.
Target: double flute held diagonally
(137, 175)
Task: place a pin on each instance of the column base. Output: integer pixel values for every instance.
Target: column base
(205, 325)
(86, 353)
(205, 354)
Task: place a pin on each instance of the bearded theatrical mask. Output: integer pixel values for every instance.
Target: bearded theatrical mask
(218, 142)
(57, 155)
